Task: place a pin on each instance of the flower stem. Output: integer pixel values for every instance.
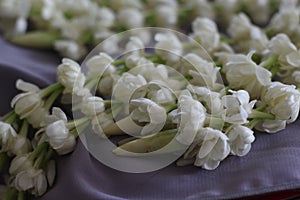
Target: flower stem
(155, 59)
(24, 128)
(77, 122)
(49, 102)
(51, 88)
(12, 118)
(39, 149)
(7, 115)
(21, 195)
(92, 83)
(11, 194)
(253, 123)
(48, 155)
(3, 160)
(261, 115)
(269, 63)
(146, 144)
(171, 107)
(119, 62)
(79, 128)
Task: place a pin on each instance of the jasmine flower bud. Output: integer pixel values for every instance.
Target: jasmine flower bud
(240, 139)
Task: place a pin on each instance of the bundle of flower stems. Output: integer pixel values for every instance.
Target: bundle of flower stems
(209, 102)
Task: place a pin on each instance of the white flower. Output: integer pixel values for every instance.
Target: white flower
(149, 112)
(135, 45)
(240, 67)
(259, 10)
(168, 47)
(105, 17)
(92, 106)
(162, 96)
(14, 12)
(20, 163)
(205, 32)
(214, 148)
(293, 59)
(240, 139)
(70, 76)
(166, 16)
(239, 28)
(211, 99)
(203, 8)
(127, 85)
(33, 180)
(58, 133)
(26, 103)
(287, 19)
(282, 100)
(281, 45)
(190, 116)
(29, 104)
(227, 10)
(130, 18)
(149, 71)
(204, 73)
(70, 49)
(101, 122)
(271, 126)
(7, 134)
(258, 40)
(37, 116)
(100, 65)
(106, 83)
(237, 107)
(20, 145)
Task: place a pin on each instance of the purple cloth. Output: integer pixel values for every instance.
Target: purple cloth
(272, 165)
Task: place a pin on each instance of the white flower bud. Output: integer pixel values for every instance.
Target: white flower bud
(131, 18)
(20, 145)
(7, 134)
(92, 106)
(204, 73)
(70, 76)
(126, 86)
(59, 137)
(168, 47)
(240, 139)
(100, 65)
(135, 45)
(240, 26)
(281, 45)
(271, 126)
(20, 163)
(205, 32)
(190, 116)
(70, 49)
(237, 107)
(287, 19)
(101, 122)
(147, 111)
(26, 103)
(105, 17)
(33, 180)
(259, 10)
(240, 67)
(166, 16)
(282, 100)
(213, 150)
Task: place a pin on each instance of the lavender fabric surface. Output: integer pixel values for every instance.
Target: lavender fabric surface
(273, 163)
